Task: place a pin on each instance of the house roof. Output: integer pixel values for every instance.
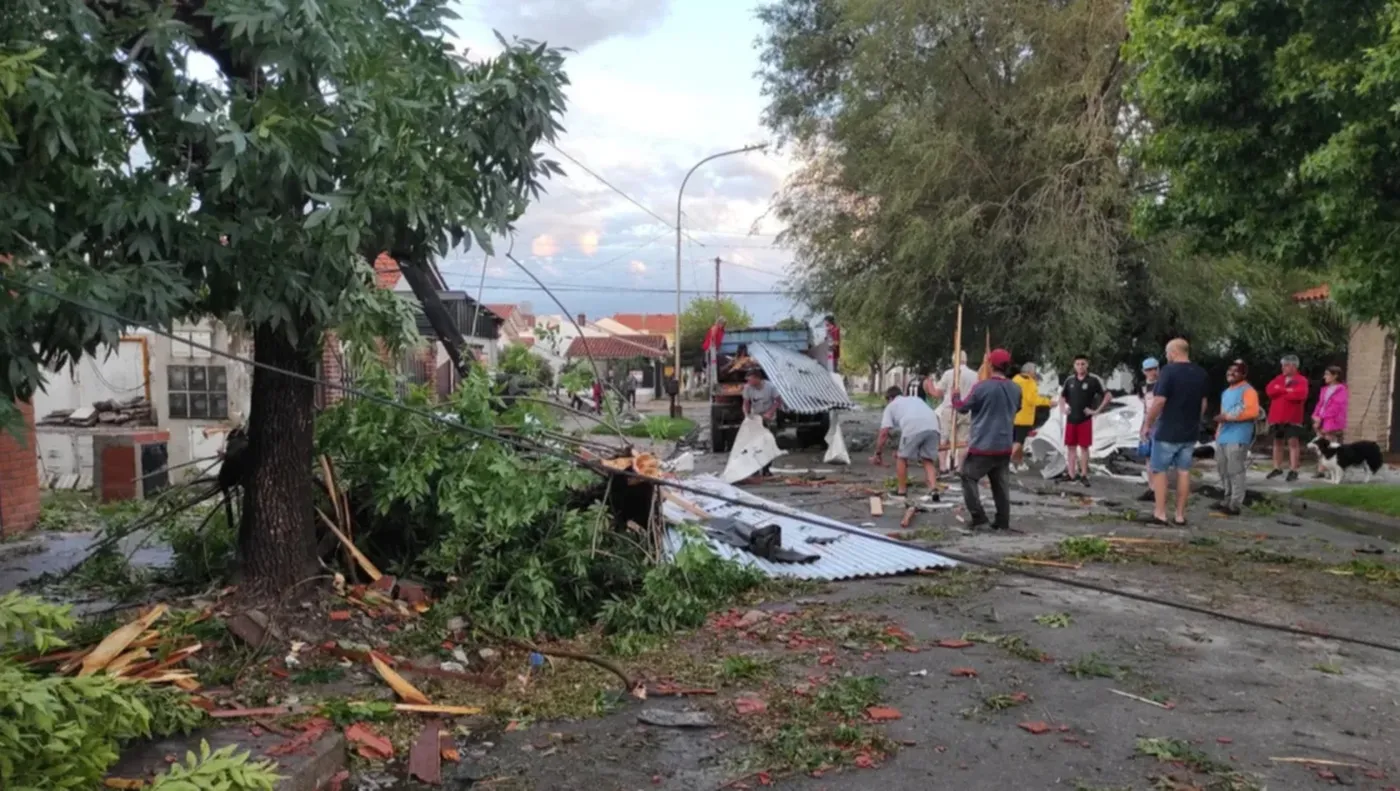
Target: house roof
(387, 274)
(501, 309)
(1320, 293)
(618, 347)
(647, 322)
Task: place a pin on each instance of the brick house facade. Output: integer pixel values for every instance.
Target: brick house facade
(1370, 376)
(19, 476)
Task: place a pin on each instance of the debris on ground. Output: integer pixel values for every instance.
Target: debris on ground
(665, 718)
(841, 551)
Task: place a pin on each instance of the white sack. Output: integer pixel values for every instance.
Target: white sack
(835, 443)
(754, 448)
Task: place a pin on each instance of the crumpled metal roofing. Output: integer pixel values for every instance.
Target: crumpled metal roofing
(850, 553)
(804, 384)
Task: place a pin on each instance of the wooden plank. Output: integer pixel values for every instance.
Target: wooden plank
(877, 506)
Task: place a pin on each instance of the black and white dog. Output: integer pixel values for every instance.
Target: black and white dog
(1335, 460)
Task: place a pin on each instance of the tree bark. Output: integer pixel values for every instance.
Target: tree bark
(276, 537)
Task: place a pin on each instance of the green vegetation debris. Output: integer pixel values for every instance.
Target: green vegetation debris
(655, 427)
(1054, 620)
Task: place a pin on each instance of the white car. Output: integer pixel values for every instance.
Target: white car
(1115, 428)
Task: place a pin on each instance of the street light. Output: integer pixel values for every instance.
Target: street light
(675, 399)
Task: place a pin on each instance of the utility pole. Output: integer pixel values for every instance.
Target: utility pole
(716, 283)
(675, 399)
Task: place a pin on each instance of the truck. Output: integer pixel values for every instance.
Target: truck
(808, 390)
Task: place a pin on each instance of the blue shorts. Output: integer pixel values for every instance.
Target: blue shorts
(1166, 455)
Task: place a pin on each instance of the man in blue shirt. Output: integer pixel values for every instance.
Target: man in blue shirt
(1234, 435)
(1174, 424)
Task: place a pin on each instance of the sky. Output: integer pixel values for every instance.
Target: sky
(656, 86)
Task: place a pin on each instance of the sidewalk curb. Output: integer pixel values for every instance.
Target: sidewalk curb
(1378, 525)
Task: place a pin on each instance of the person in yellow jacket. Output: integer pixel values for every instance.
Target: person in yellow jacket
(1029, 382)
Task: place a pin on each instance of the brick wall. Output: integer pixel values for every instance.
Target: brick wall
(19, 477)
(332, 369)
(1370, 374)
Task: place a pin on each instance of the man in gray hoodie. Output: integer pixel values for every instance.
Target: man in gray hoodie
(993, 404)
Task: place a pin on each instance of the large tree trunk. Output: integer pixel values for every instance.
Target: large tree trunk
(277, 538)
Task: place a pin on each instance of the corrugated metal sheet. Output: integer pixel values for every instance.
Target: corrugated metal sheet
(804, 384)
(848, 556)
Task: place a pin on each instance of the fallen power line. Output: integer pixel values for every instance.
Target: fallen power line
(524, 444)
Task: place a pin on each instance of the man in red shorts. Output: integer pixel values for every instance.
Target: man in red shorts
(1081, 398)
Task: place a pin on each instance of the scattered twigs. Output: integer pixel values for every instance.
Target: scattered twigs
(589, 658)
(1140, 699)
(1320, 762)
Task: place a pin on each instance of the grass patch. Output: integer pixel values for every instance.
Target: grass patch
(1178, 751)
(1328, 668)
(870, 400)
(1054, 620)
(1084, 548)
(823, 728)
(658, 427)
(927, 535)
(1091, 666)
(954, 583)
(1013, 644)
(741, 667)
(1375, 498)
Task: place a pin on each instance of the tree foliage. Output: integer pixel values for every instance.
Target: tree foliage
(518, 360)
(526, 544)
(700, 315)
(973, 150)
(1274, 127)
(247, 159)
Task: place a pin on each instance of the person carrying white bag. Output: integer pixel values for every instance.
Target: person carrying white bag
(755, 447)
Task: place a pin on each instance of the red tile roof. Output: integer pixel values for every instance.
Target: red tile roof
(618, 347)
(1320, 293)
(386, 271)
(502, 310)
(647, 322)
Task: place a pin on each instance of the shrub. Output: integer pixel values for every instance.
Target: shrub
(63, 732)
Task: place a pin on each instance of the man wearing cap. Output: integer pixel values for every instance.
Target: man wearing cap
(1234, 435)
(993, 404)
(1029, 382)
(1150, 370)
(1288, 393)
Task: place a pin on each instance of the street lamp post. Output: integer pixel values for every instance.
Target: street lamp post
(675, 399)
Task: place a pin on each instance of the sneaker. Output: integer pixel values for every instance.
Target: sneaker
(931, 497)
(978, 523)
(1274, 473)
(1084, 480)
(1292, 476)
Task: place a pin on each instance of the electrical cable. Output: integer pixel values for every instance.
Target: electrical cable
(619, 191)
(528, 445)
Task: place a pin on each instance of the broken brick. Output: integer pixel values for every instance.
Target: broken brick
(340, 615)
(1037, 727)
(750, 706)
(963, 672)
(411, 593)
(954, 642)
(883, 714)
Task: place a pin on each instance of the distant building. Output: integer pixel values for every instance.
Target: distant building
(663, 324)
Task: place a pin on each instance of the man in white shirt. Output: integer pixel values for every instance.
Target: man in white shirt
(918, 428)
(943, 392)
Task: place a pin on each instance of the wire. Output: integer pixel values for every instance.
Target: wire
(547, 450)
(521, 285)
(619, 191)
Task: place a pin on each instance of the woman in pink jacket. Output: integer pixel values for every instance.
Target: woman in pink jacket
(1330, 414)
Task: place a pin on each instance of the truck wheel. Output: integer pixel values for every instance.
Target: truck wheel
(814, 435)
(717, 437)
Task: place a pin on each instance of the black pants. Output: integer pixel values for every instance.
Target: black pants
(997, 469)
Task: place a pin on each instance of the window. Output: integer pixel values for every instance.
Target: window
(198, 392)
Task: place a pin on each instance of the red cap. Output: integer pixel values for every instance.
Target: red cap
(999, 358)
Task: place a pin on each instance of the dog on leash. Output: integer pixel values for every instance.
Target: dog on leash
(1335, 460)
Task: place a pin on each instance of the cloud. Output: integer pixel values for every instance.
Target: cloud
(550, 269)
(588, 242)
(577, 24)
(544, 246)
(637, 268)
